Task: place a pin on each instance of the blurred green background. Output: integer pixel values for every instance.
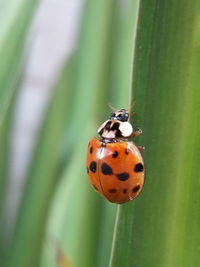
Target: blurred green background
(62, 62)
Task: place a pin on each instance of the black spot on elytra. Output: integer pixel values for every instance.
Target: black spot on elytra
(115, 154)
(136, 188)
(112, 190)
(127, 151)
(122, 176)
(93, 166)
(91, 150)
(106, 169)
(125, 190)
(95, 187)
(87, 170)
(139, 167)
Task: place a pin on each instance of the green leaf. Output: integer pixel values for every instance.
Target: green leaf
(41, 181)
(160, 228)
(124, 24)
(15, 18)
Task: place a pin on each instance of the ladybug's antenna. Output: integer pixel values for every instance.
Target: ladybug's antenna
(111, 107)
(131, 113)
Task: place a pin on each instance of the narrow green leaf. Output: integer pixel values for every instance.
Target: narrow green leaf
(4, 165)
(124, 24)
(15, 18)
(4, 144)
(161, 227)
(41, 181)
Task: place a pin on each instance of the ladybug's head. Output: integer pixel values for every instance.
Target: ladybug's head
(120, 115)
(117, 126)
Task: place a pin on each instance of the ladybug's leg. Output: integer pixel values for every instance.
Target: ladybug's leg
(141, 148)
(136, 133)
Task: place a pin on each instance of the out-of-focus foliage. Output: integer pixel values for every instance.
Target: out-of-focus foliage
(14, 19)
(61, 222)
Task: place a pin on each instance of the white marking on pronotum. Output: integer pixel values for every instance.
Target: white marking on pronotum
(125, 128)
(102, 126)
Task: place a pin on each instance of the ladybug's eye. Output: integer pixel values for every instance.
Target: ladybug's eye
(126, 116)
(120, 115)
(123, 117)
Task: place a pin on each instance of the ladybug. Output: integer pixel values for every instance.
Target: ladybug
(114, 164)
